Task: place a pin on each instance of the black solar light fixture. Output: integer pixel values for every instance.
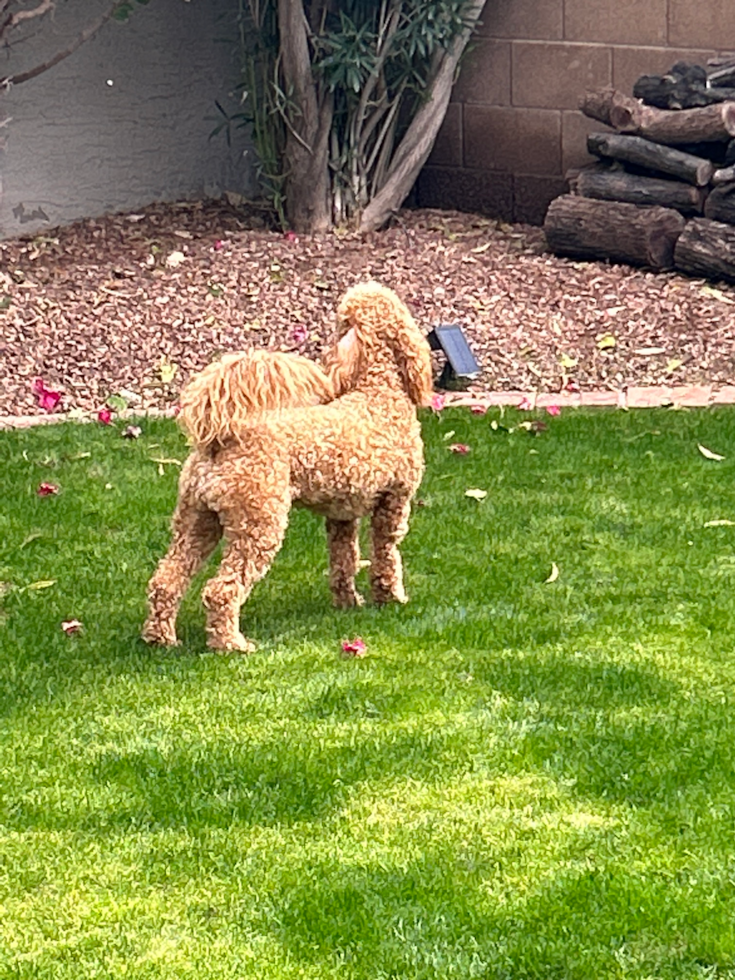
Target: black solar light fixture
(460, 367)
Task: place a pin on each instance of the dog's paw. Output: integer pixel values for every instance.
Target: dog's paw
(156, 636)
(381, 597)
(347, 600)
(231, 644)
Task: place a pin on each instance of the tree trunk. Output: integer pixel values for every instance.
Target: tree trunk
(578, 226)
(417, 142)
(720, 204)
(617, 185)
(306, 155)
(707, 248)
(708, 124)
(654, 156)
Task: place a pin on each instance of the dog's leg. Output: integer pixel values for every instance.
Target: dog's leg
(344, 561)
(195, 536)
(389, 525)
(252, 542)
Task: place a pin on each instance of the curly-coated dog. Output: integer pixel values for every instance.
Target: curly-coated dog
(275, 430)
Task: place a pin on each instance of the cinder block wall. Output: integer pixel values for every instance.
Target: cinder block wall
(126, 120)
(512, 129)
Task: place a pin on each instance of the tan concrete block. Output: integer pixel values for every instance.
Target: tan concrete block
(692, 396)
(512, 140)
(447, 150)
(600, 399)
(630, 63)
(553, 76)
(575, 128)
(561, 399)
(724, 395)
(532, 19)
(616, 21)
(649, 397)
(532, 196)
(466, 190)
(485, 74)
(707, 24)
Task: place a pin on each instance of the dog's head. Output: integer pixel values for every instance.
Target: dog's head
(378, 334)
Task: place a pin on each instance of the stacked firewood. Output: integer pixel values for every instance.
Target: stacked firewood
(662, 192)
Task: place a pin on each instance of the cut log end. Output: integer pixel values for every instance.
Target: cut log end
(706, 248)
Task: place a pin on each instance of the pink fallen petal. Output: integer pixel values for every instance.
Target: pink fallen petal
(131, 432)
(47, 489)
(478, 409)
(460, 448)
(104, 416)
(553, 409)
(354, 648)
(71, 626)
(571, 386)
(525, 405)
(218, 245)
(299, 334)
(48, 399)
(291, 236)
(438, 402)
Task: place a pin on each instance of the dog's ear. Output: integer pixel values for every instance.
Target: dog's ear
(382, 323)
(413, 356)
(342, 362)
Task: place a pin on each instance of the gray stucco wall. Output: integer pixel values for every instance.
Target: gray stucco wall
(126, 119)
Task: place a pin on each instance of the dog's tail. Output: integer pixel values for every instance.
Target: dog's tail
(221, 402)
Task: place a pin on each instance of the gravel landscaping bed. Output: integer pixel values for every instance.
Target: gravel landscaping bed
(128, 306)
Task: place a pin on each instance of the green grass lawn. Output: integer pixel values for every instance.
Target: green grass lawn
(522, 778)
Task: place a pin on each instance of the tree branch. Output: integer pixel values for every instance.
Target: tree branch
(43, 8)
(419, 138)
(78, 41)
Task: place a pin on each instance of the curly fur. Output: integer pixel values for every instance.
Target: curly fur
(229, 395)
(271, 431)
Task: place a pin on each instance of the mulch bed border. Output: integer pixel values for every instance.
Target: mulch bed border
(684, 396)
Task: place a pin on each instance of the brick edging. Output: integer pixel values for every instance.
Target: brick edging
(684, 396)
(681, 396)
(53, 418)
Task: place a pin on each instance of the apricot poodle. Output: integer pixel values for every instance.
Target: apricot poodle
(275, 430)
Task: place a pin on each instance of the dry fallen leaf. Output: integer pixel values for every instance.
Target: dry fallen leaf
(554, 574)
(167, 370)
(722, 523)
(607, 342)
(707, 453)
(476, 494)
(716, 294)
(174, 259)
